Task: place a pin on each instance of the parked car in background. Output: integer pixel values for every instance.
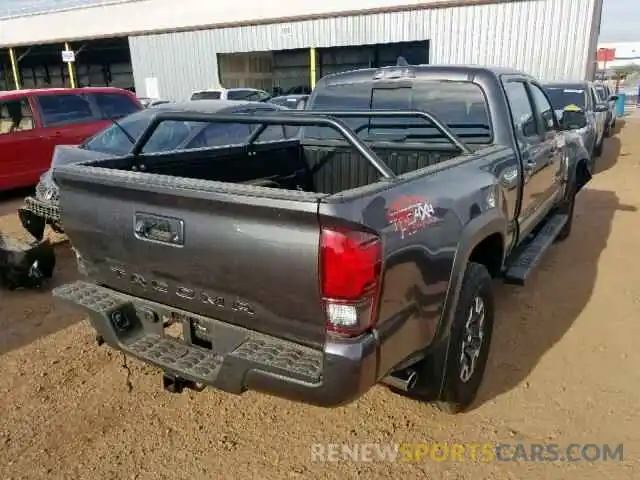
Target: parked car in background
(578, 107)
(362, 251)
(151, 102)
(605, 95)
(117, 140)
(33, 122)
(247, 94)
(295, 102)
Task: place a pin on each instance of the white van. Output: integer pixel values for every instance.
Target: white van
(251, 94)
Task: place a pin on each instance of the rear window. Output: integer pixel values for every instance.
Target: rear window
(460, 105)
(206, 96)
(169, 135)
(220, 134)
(115, 105)
(562, 97)
(113, 140)
(61, 109)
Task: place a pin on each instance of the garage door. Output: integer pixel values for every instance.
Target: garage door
(342, 59)
(291, 70)
(252, 70)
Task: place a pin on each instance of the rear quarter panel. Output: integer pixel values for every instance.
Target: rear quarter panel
(422, 220)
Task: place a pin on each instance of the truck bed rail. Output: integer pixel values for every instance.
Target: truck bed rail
(427, 117)
(267, 120)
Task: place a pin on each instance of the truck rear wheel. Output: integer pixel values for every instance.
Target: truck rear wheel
(470, 341)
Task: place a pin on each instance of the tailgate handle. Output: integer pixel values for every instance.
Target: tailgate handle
(159, 229)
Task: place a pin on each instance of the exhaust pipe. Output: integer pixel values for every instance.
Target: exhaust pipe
(403, 380)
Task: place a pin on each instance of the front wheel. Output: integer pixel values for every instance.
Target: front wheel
(470, 340)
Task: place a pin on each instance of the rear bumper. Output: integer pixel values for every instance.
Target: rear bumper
(237, 359)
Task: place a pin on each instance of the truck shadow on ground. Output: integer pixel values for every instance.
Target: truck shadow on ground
(27, 315)
(610, 156)
(530, 320)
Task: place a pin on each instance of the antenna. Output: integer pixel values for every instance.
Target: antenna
(402, 62)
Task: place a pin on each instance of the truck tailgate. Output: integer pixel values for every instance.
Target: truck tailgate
(242, 259)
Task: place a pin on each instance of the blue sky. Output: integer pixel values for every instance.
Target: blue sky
(620, 21)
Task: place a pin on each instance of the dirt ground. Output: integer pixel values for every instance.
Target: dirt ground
(564, 368)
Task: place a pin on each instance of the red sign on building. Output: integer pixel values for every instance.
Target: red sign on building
(606, 54)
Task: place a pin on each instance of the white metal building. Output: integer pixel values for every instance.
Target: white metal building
(181, 46)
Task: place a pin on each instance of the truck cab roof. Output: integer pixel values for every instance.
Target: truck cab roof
(417, 73)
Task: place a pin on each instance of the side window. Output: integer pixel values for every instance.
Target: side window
(114, 105)
(544, 108)
(15, 116)
(113, 140)
(205, 96)
(273, 133)
(239, 94)
(64, 109)
(521, 110)
(169, 135)
(219, 134)
(256, 96)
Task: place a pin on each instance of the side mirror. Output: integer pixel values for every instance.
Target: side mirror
(613, 98)
(550, 124)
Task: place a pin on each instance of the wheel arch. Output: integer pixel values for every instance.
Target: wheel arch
(483, 240)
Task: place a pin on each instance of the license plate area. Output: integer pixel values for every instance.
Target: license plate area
(187, 329)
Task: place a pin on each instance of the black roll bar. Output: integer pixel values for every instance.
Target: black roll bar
(266, 120)
(428, 117)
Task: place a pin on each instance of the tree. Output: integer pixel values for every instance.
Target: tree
(624, 71)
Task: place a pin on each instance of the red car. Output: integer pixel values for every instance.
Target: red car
(33, 122)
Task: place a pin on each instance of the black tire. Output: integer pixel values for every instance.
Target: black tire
(597, 151)
(567, 208)
(607, 131)
(463, 378)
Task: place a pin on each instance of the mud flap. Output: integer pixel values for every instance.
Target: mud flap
(583, 176)
(32, 223)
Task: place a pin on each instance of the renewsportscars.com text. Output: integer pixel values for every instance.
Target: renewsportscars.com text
(467, 452)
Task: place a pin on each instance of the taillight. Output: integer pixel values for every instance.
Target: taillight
(350, 266)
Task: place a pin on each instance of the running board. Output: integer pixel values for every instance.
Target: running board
(528, 258)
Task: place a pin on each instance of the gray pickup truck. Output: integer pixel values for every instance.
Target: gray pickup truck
(359, 252)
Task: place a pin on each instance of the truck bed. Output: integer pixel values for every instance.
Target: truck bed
(288, 165)
(227, 233)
